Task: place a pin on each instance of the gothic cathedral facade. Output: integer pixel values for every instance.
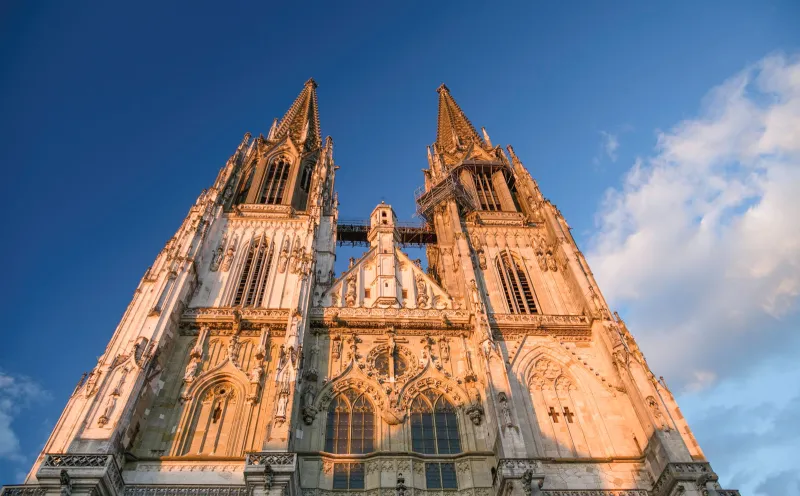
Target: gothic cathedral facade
(245, 366)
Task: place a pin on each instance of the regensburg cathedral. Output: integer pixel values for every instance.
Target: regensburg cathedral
(244, 365)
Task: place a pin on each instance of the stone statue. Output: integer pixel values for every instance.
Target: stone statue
(109, 409)
(476, 296)
(422, 295)
(228, 260)
(216, 259)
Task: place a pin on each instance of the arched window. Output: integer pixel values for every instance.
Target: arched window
(516, 287)
(434, 426)
(255, 271)
(275, 181)
(351, 424)
(487, 195)
(213, 421)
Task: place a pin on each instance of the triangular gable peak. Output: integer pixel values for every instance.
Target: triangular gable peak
(385, 277)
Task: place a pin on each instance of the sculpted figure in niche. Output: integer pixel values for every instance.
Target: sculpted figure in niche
(216, 259)
(283, 402)
(476, 296)
(551, 261)
(228, 260)
(444, 349)
(350, 297)
(475, 409)
(191, 369)
(309, 412)
(658, 417)
(233, 350)
(505, 410)
(422, 295)
(109, 409)
(481, 259)
(283, 259)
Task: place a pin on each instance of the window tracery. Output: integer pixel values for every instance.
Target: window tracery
(255, 271)
(350, 427)
(274, 185)
(434, 425)
(517, 289)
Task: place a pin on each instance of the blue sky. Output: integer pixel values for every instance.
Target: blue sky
(114, 117)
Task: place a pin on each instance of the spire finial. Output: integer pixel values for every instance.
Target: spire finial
(441, 88)
(311, 83)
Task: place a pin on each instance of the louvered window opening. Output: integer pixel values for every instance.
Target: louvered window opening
(275, 182)
(255, 272)
(516, 287)
(487, 196)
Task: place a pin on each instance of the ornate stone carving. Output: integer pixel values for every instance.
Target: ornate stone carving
(283, 258)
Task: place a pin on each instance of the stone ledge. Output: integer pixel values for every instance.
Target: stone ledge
(186, 491)
(84, 471)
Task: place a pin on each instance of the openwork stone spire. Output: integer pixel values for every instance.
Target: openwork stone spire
(454, 129)
(301, 121)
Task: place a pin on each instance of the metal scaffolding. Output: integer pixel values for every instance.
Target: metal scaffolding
(354, 233)
(448, 188)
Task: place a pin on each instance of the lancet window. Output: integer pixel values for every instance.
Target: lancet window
(487, 195)
(275, 181)
(351, 424)
(434, 425)
(517, 288)
(255, 271)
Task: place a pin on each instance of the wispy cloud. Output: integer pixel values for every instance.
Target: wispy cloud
(701, 244)
(17, 393)
(610, 144)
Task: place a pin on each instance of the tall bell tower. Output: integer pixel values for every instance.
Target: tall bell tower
(203, 367)
(244, 366)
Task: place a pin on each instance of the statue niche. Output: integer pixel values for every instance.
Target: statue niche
(211, 423)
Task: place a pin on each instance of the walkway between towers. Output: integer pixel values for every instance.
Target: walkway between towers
(354, 233)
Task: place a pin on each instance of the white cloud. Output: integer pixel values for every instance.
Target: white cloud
(16, 394)
(610, 144)
(702, 241)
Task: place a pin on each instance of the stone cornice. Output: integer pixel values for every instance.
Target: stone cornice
(401, 318)
(222, 319)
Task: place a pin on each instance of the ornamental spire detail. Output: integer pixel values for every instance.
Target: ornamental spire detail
(301, 121)
(454, 128)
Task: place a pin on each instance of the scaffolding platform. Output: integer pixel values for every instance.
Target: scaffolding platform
(354, 233)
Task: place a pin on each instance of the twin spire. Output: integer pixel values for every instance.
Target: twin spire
(301, 122)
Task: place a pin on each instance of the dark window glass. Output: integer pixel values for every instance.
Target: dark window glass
(348, 476)
(440, 476)
(434, 430)
(340, 476)
(351, 425)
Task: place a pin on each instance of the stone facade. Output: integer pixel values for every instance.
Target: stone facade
(243, 365)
